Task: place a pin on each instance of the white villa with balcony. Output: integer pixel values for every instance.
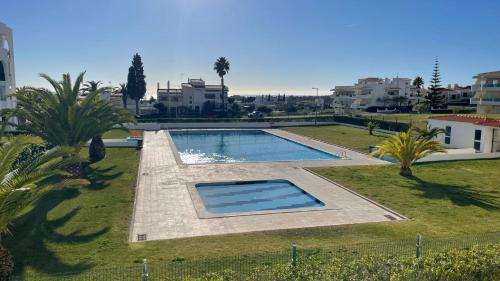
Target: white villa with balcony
(487, 92)
(7, 74)
(191, 97)
(376, 92)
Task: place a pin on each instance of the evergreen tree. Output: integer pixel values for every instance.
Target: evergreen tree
(136, 83)
(434, 97)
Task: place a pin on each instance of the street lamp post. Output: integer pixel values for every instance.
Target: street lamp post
(316, 107)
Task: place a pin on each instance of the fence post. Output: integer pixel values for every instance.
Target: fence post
(145, 270)
(294, 256)
(419, 246)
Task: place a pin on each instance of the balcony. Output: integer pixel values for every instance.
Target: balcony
(486, 87)
(485, 101)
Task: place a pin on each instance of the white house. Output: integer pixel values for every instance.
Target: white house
(191, 98)
(482, 134)
(7, 73)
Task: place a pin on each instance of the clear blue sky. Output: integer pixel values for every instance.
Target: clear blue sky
(274, 46)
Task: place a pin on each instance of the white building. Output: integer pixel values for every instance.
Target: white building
(377, 92)
(192, 97)
(482, 134)
(342, 99)
(487, 92)
(7, 73)
(456, 95)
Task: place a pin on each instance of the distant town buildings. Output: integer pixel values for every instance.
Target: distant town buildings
(486, 92)
(193, 98)
(7, 73)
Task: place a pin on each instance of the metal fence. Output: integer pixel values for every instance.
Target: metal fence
(243, 266)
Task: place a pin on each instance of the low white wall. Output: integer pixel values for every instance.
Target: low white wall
(221, 125)
(117, 143)
(452, 157)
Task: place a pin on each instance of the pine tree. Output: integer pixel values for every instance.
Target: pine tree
(434, 97)
(136, 83)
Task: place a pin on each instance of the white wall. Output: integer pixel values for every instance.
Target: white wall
(462, 134)
(216, 125)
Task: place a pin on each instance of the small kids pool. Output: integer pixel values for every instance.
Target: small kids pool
(216, 146)
(254, 196)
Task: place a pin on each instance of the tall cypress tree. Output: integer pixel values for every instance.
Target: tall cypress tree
(136, 83)
(434, 97)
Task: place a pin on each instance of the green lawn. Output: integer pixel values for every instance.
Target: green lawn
(73, 230)
(116, 134)
(354, 138)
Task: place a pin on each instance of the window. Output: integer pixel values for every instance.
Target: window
(447, 135)
(477, 140)
(464, 94)
(174, 99)
(2, 72)
(210, 96)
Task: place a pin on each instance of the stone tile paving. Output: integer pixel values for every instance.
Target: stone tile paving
(164, 209)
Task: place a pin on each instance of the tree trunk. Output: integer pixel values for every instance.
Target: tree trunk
(137, 107)
(124, 99)
(405, 172)
(223, 95)
(97, 150)
(6, 264)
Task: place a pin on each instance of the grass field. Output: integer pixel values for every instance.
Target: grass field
(74, 230)
(354, 138)
(116, 134)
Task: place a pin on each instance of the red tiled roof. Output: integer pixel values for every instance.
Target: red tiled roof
(489, 122)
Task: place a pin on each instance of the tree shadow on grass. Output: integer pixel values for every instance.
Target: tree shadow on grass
(99, 177)
(32, 232)
(458, 195)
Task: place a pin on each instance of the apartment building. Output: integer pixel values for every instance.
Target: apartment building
(342, 99)
(372, 93)
(486, 92)
(7, 73)
(192, 97)
(457, 95)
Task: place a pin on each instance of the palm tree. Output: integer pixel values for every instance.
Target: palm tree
(418, 82)
(221, 66)
(428, 133)
(91, 86)
(59, 118)
(24, 181)
(372, 125)
(122, 89)
(407, 149)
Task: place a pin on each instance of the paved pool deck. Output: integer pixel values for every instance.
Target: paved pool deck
(164, 209)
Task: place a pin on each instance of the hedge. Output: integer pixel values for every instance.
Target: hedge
(477, 263)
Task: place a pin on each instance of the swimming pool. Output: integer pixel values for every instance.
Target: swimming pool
(216, 146)
(254, 196)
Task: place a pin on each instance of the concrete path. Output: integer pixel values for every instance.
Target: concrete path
(164, 209)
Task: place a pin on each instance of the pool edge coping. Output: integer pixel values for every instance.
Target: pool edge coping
(203, 213)
(179, 161)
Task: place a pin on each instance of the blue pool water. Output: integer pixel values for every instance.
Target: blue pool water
(213, 146)
(254, 196)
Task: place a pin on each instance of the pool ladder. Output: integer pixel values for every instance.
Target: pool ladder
(342, 154)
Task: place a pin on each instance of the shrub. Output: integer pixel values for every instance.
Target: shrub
(482, 264)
